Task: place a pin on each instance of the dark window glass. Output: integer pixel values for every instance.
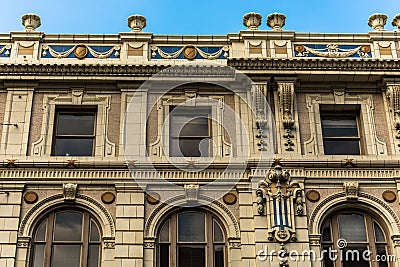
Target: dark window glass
(189, 132)
(218, 236)
(164, 255)
(379, 236)
(191, 227)
(66, 239)
(218, 255)
(339, 130)
(193, 256)
(326, 232)
(352, 227)
(382, 255)
(74, 132)
(327, 257)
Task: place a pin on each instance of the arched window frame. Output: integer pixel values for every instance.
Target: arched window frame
(371, 242)
(210, 243)
(88, 220)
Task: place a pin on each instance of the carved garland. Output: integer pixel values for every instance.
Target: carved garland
(286, 99)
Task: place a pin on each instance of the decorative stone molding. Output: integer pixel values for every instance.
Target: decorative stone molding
(192, 192)
(31, 22)
(396, 22)
(286, 100)
(70, 191)
(284, 200)
(351, 190)
(109, 242)
(234, 243)
(149, 242)
(137, 23)
(396, 240)
(260, 107)
(252, 21)
(377, 21)
(276, 21)
(315, 240)
(23, 241)
(393, 96)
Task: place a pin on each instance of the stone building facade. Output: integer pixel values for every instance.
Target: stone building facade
(245, 149)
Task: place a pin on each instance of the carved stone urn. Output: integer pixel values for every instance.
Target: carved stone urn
(276, 21)
(252, 21)
(396, 22)
(137, 23)
(31, 22)
(377, 21)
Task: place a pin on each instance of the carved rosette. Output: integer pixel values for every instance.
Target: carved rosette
(69, 191)
(351, 190)
(137, 23)
(31, 22)
(276, 21)
(252, 21)
(396, 21)
(377, 21)
(282, 199)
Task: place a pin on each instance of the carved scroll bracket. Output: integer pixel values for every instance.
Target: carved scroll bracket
(70, 191)
(351, 190)
(286, 106)
(393, 99)
(260, 108)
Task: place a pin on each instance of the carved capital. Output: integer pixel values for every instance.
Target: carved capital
(315, 240)
(109, 241)
(286, 99)
(69, 191)
(393, 96)
(234, 242)
(23, 241)
(351, 190)
(396, 240)
(191, 192)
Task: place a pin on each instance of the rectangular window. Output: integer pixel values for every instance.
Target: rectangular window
(340, 129)
(190, 133)
(74, 132)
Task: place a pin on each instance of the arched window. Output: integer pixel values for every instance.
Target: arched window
(358, 239)
(193, 239)
(66, 239)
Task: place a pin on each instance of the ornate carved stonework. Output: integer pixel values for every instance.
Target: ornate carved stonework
(286, 100)
(315, 240)
(69, 191)
(396, 22)
(252, 20)
(260, 108)
(276, 21)
(351, 190)
(109, 241)
(377, 21)
(396, 240)
(137, 23)
(31, 22)
(393, 96)
(23, 241)
(284, 200)
(192, 192)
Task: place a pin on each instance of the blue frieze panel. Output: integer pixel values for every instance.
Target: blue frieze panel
(332, 51)
(5, 50)
(67, 51)
(177, 52)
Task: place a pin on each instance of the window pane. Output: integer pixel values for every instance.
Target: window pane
(164, 255)
(381, 255)
(190, 147)
(326, 232)
(73, 147)
(191, 227)
(379, 236)
(75, 124)
(328, 256)
(38, 255)
(41, 232)
(353, 256)
(352, 227)
(338, 126)
(66, 256)
(341, 147)
(193, 256)
(68, 226)
(218, 256)
(164, 234)
(218, 236)
(93, 260)
(94, 232)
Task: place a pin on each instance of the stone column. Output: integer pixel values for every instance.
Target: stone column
(129, 225)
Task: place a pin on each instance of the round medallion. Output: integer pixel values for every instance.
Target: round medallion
(153, 198)
(190, 52)
(313, 195)
(299, 48)
(81, 51)
(31, 197)
(230, 198)
(366, 48)
(108, 198)
(389, 196)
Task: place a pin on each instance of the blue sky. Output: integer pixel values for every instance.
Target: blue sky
(193, 16)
